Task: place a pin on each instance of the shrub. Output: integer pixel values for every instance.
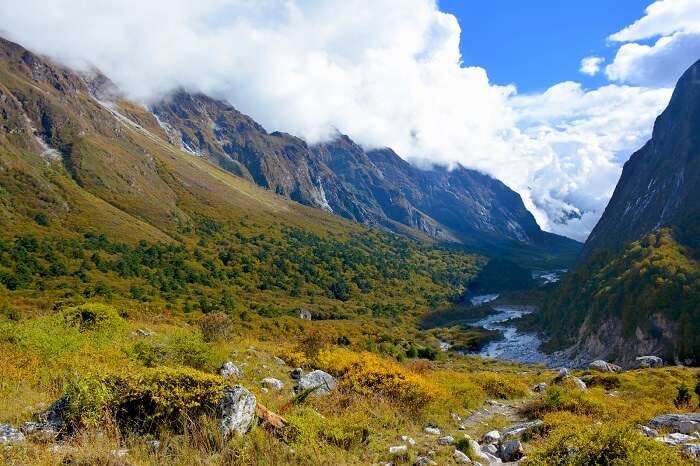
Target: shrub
(294, 358)
(502, 386)
(179, 348)
(609, 445)
(683, 397)
(559, 399)
(93, 317)
(607, 381)
(146, 400)
(369, 374)
(697, 390)
(215, 326)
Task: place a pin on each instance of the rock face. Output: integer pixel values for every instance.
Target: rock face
(373, 187)
(237, 411)
(321, 381)
(229, 369)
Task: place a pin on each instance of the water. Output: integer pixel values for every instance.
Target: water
(483, 299)
(516, 345)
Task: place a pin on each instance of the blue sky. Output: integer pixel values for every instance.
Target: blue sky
(535, 44)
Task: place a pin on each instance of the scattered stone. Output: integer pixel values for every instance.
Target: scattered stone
(398, 450)
(675, 438)
(304, 314)
(519, 429)
(692, 450)
(492, 437)
(648, 431)
(49, 424)
(456, 417)
(153, 445)
(273, 383)
(446, 440)
(297, 373)
(461, 458)
(432, 430)
(407, 439)
(120, 453)
(279, 361)
(142, 332)
(604, 366)
(323, 382)
(511, 451)
(540, 387)
(237, 411)
(563, 372)
(688, 427)
(649, 361)
(672, 422)
(490, 448)
(424, 461)
(9, 435)
(580, 384)
(229, 369)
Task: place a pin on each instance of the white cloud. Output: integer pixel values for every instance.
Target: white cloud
(676, 23)
(591, 65)
(386, 72)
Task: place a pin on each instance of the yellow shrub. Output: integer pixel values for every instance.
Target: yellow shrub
(503, 386)
(294, 358)
(369, 374)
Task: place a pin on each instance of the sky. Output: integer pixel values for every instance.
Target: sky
(550, 97)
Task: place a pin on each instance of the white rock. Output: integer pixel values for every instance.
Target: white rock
(424, 461)
(432, 430)
(492, 437)
(273, 383)
(672, 422)
(446, 440)
(540, 387)
(398, 450)
(511, 451)
(563, 372)
(279, 361)
(120, 453)
(490, 448)
(688, 427)
(237, 411)
(407, 439)
(229, 369)
(461, 458)
(519, 429)
(9, 435)
(648, 431)
(580, 384)
(649, 361)
(675, 438)
(321, 381)
(604, 366)
(692, 450)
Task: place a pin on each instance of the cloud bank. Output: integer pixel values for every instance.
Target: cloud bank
(385, 72)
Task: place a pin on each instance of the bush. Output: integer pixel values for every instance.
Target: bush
(93, 317)
(604, 445)
(683, 397)
(502, 386)
(215, 326)
(558, 399)
(179, 348)
(146, 400)
(369, 374)
(607, 381)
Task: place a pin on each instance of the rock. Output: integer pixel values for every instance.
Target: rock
(398, 450)
(229, 369)
(424, 461)
(672, 422)
(304, 314)
(519, 429)
(580, 384)
(297, 373)
(692, 450)
(142, 332)
(50, 424)
(540, 387)
(9, 435)
(490, 448)
(273, 383)
(649, 361)
(120, 453)
(688, 427)
(432, 430)
(511, 451)
(563, 372)
(321, 381)
(446, 440)
(648, 431)
(407, 439)
(279, 361)
(153, 445)
(676, 438)
(237, 411)
(603, 366)
(461, 458)
(492, 437)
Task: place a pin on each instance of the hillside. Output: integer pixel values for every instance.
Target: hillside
(636, 289)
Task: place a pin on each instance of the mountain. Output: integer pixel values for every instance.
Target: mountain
(374, 187)
(637, 289)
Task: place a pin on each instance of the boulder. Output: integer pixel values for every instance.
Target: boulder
(398, 450)
(540, 387)
(688, 427)
(648, 431)
(691, 450)
(297, 373)
(580, 384)
(407, 439)
(563, 372)
(492, 437)
(237, 411)
(490, 448)
(511, 451)
(304, 314)
(279, 361)
(672, 422)
(676, 438)
(9, 435)
(424, 461)
(50, 424)
(461, 458)
(229, 369)
(446, 440)
(649, 361)
(321, 381)
(519, 429)
(603, 366)
(272, 383)
(432, 430)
